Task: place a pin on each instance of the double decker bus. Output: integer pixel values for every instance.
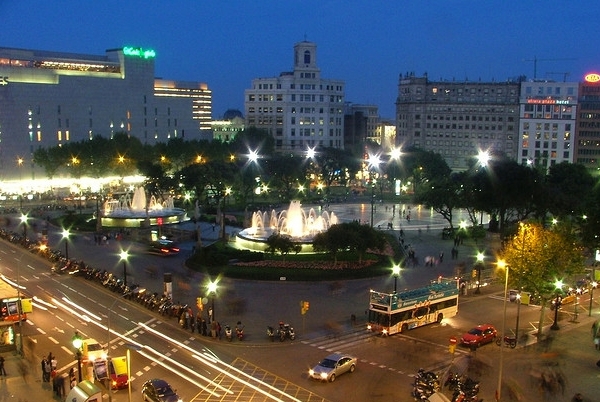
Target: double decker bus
(390, 313)
(11, 307)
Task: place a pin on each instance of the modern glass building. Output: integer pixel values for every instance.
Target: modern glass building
(51, 98)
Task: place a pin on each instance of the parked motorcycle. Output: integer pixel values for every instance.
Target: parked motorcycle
(271, 333)
(239, 330)
(286, 331)
(510, 341)
(228, 333)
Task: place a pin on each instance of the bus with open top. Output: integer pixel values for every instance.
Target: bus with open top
(390, 313)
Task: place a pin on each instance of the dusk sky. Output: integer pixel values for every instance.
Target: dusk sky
(367, 44)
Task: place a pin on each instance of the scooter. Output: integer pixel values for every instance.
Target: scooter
(239, 330)
(228, 333)
(508, 341)
(271, 333)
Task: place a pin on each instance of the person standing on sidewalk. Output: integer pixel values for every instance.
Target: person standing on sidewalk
(2, 370)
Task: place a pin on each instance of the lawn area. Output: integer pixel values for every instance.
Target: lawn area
(220, 259)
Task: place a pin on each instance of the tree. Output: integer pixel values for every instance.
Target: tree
(537, 257)
(569, 186)
(351, 236)
(442, 195)
(282, 244)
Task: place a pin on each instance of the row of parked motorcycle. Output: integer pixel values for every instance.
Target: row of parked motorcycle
(463, 388)
(63, 265)
(152, 300)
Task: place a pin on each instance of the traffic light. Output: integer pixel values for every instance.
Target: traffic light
(199, 303)
(474, 273)
(304, 305)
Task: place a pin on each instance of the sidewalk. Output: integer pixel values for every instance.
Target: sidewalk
(23, 382)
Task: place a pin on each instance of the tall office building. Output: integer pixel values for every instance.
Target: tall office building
(360, 124)
(547, 122)
(49, 99)
(299, 108)
(587, 144)
(457, 119)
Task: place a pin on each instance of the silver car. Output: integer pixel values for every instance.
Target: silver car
(332, 366)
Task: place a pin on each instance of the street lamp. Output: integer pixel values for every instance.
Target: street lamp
(557, 301)
(518, 300)
(480, 258)
(395, 273)
(65, 236)
(24, 219)
(502, 264)
(593, 286)
(374, 162)
(123, 257)
(212, 291)
(77, 343)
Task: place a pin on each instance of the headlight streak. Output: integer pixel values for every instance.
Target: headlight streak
(70, 310)
(147, 356)
(37, 299)
(208, 363)
(11, 283)
(89, 313)
(141, 346)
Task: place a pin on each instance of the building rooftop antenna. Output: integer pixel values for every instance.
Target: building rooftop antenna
(535, 61)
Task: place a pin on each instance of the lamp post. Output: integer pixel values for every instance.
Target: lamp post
(123, 257)
(77, 342)
(592, 287)
(65, 236)
(212, 291)
(24, 219)
(502, 264)
(373, 161)
(480, 258)
(518, 315)
(395, 274)
(558, 285)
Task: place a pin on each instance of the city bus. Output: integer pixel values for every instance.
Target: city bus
(390, 313)
(10, 303)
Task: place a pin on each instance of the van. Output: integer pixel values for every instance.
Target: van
(118, 372)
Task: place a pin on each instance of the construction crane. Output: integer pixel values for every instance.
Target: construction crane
(535, 61)
(565, 75)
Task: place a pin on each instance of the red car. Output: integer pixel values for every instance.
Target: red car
(480, 335)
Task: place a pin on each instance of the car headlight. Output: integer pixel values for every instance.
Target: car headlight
(311, 372)
(324, 376)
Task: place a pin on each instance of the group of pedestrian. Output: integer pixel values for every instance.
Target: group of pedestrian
(50, 374)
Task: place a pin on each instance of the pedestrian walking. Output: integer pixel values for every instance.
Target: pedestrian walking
(72, 378)
(2, 370)
(46, 370)
(441, 256)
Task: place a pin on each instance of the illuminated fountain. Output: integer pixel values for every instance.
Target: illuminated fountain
(137, 211)
(295, 222)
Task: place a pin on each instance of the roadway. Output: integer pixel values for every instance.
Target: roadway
(188, 360)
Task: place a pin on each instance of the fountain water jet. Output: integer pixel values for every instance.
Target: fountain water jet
(136, 211)
(301, 226)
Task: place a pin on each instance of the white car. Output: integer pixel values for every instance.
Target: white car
(332, 366)
(93, 351)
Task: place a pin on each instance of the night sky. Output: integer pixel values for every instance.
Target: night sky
(365, 43)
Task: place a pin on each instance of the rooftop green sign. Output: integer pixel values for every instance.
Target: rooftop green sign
(139, 52)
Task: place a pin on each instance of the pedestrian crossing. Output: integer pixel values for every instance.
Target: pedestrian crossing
(336, 341)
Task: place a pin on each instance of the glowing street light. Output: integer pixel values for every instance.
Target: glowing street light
(212, 292)
(502, 264)
(77, 343)
(480, 257)
(124, 255)
(395, 273)
(65, 236)
(558, 285)
(373, 166)
(24, 218)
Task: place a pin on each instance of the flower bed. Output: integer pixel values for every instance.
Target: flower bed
(322, 265)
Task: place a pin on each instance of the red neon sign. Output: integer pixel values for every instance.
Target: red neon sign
(592, 77)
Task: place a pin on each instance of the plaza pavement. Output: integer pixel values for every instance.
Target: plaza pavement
(260, 303)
